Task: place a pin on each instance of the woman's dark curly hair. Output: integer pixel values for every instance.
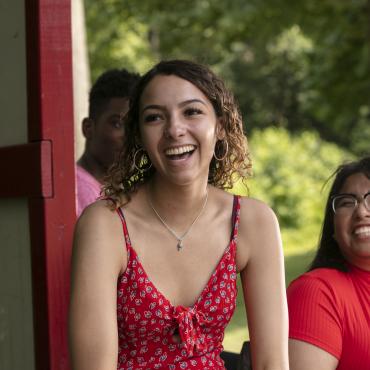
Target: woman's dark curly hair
(124, 177)
(329, 253)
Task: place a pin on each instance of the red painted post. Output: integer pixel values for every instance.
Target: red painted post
(52, 216)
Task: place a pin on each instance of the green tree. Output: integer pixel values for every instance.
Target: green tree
(116, 38)
(289, 174)
(298, 65)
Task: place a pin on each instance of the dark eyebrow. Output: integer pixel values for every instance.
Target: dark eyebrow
(192, 101)
(152, 106)
(345, 195)
(351, 195)
(161, 107)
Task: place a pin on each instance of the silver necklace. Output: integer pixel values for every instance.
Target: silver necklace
(182, 237)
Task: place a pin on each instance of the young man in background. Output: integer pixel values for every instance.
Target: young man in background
(103, 130)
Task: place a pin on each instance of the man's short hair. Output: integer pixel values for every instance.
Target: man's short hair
(114, 83)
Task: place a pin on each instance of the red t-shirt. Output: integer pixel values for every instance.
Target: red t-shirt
(331, 310)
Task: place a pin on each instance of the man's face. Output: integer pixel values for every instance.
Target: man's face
(107, 132)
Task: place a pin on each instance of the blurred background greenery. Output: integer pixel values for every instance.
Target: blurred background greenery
(300, 72)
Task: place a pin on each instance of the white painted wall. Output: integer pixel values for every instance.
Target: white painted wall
(16, 323)
(81, 73)
(13, 93)
(16, 317)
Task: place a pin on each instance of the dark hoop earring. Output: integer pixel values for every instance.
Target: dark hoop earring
(224, 144)
(144, 159)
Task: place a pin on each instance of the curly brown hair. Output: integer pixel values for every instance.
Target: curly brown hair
(133, 168)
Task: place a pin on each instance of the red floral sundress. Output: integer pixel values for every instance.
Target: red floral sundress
(147, 321)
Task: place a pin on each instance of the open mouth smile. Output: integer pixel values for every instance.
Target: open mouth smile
(180, 152)
(363, 231)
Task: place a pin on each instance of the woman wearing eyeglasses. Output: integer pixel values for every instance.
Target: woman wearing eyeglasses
(329, 306)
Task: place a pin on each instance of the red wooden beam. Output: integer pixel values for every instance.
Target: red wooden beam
(50, 118)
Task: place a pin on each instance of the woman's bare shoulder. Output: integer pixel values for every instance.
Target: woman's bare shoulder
(258, 230)
(98, 232)
(256, 212)
(97, 213)
(252, 210)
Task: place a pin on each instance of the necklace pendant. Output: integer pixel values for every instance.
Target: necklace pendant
(179, 239)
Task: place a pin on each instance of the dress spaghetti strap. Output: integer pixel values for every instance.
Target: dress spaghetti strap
(235, 218)
(124, 227)
(147, 320)
(234, 222)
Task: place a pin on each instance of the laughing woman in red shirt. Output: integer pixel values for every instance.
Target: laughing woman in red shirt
(329, 306)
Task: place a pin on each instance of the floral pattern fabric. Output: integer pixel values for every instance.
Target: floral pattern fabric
(148, 323)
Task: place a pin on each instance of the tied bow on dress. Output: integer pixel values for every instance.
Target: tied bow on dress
(190, 321)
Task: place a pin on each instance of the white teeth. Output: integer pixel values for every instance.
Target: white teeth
(363, 230)
(180, 150)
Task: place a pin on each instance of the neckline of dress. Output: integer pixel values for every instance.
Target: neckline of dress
(132, 251)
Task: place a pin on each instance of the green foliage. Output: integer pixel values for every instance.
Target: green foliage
(269, 82)
(116, 38)
(290, 172)
(340, 69)
(298, 65)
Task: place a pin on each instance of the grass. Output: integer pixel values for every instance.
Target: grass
(296, 263)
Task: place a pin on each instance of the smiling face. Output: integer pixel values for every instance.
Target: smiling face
(105, 135)
(178, 128)
(352, 229)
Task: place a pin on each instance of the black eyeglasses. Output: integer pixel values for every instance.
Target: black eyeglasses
(347, 203)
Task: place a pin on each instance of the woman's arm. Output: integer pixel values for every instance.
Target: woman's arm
(264, 286)
(305, 356)
(98, 255)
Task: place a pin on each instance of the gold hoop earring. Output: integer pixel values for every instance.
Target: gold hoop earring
(224, 144)
(144, 159)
